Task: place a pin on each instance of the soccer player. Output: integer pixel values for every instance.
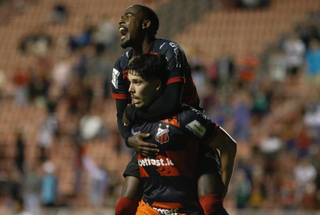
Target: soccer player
(169, 180)
(138, 27)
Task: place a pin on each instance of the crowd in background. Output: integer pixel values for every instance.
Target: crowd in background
(279, 170)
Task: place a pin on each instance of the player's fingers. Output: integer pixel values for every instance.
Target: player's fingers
(144, 135)
(150, 151)
(148, 145)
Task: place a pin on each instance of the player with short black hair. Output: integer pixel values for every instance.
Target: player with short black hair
(169, 180)
(138, 33)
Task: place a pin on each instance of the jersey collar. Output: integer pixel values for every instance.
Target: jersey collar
(148, 49)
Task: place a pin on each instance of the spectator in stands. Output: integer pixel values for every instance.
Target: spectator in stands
(88, 93)
(225, 67)
(19, 208)
(20, 150)
(62, 71)
(54, 95)
(78, 164)
(46, 133)
(91, 126)
(15, 180)
(85, 38)
(311, 117)
(104, 35)
(247, 66)
(304, 173)
(277, 65)
(260, 106)
(85, 62)
(98, 188)
(287, 190)
(59, 14)
(295, 50)
(242, 188)
(252, 4)
(241, 114)
(271, 145)
(313, 62)
(21, 79)
(32, 189)
(49, 185)
(38, 87)
(74, 96)
(303, 141)
(308, 30)
(37, 43)
(98, 181)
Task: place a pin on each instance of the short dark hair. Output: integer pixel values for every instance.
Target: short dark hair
(149, 14)
(150, 67)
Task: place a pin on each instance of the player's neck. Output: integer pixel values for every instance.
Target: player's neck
(144, 47)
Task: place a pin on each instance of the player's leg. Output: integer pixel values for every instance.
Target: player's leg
(131, 191)
(210, 185)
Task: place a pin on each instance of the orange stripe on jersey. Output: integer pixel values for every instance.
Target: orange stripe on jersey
(173, 121)
(183, 161)
(145, 209)
(175, 80)
(168, 169)
(125, 74)
(143, 173)
(121, 96)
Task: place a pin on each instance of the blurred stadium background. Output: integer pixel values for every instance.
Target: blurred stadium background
(256, 64)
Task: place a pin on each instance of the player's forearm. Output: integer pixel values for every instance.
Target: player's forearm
(166, 104)
(121, 106)
(227, 163)
(228, 149)
(124, 131)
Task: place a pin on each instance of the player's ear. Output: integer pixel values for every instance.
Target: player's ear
(158, 84)
(146, 24)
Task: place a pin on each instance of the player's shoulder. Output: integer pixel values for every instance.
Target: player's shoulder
(190, 112)
(164, 45)
(194, 121)
(124, 59)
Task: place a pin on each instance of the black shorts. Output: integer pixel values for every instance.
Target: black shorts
(208, 163)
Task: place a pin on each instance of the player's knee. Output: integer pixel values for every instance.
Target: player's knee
(125, 207)
(212, 205)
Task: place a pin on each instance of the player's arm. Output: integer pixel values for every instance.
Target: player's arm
(167, 103)
(228, 149)
(120, 93)
(121, 106)
(200, 126)
(170, 100)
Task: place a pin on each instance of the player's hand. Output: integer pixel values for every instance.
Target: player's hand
(125, 120)
(146, 149)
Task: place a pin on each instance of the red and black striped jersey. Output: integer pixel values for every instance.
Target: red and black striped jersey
(169, 180)
(178, 66)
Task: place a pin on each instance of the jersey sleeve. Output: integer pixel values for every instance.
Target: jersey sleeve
(197, 125)
(176, 60)
(119, 81)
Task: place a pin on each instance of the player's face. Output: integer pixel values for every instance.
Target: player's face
(142, 92)
(130, 26)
